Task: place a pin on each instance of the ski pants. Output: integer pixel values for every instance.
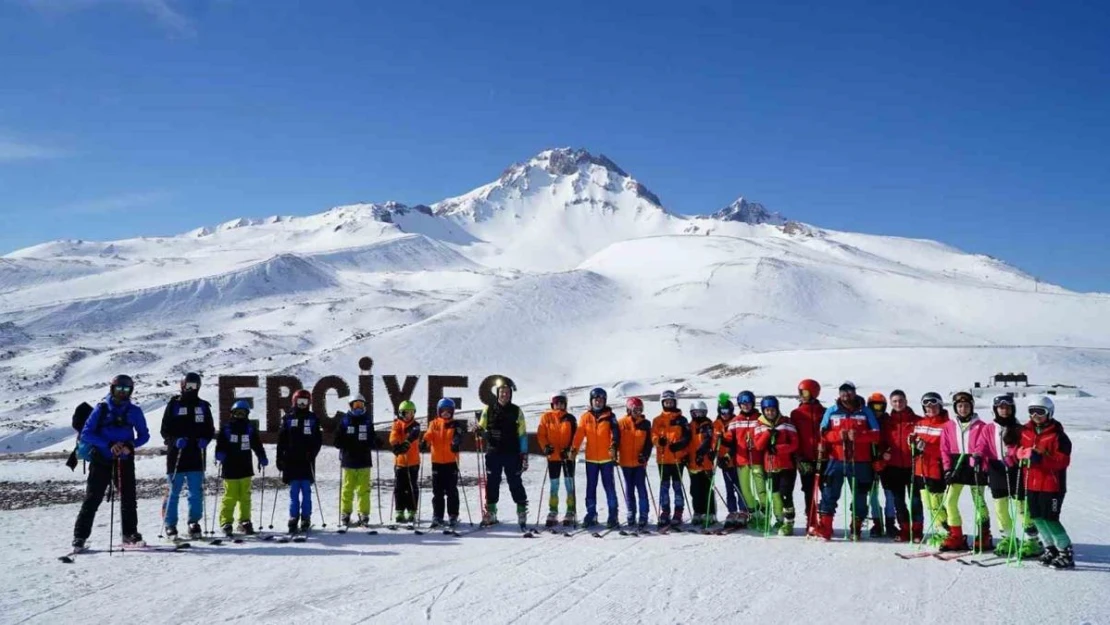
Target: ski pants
(952, 505)
(555, 469)
(897, 481)
(782, 497)
(733, 499)
(604, 471)
(701, 493)
(857, 476)
(932, 498)
(406, 487)
(300, 499)
(809, 489)
(887, 510)
(119, 475)
(1008, 493)
(509, 464)
(236, 493)
(355, 482)
(445, 489)
(752, 485)
(635, 486)
(1044, 508)
(195, 482)
(670, 478)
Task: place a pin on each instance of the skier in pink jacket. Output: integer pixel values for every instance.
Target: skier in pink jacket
(967, 447)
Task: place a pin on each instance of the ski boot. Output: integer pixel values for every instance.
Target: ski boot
(453, 522)
(956, 541)
(712, 520)
(612, 523)
(306, 524)
(400, 518)
(78, 544)
(642, 527)
(590, 520)
(569, 519)
(824, 527)
(857, 530)
(170, 532)
(363, 520)
(664, 518)
(293, 523)
(1049, 555)
(676, 520)
(195, 532)
(522, 515)
(730, 520)
(552, 519)
(345, 521)
(489, 517)
(228, 533)
(892, 530)
(437, 522)
(1031, 549)
(787, 528)
(698, 520)
(1006, 547)
(983, 540)
(917, 532)
(776, 527)
(877, 530)
(133, 540)
(937, 538)
(1066, 559)
(742, 519)
(246, 527)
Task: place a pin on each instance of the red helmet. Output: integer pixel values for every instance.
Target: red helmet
(811, 386)
(301, 394)
(633, 402)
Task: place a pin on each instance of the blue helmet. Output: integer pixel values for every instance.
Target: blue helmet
(596, 392)
(769, 401)
(445, 404)
(241, 404)
(745, 397)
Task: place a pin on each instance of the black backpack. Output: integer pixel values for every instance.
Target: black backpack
(80, 416)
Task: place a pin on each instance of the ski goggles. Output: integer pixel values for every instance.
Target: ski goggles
(1037, 411)
(930, 402)
(358, 405)
(724, 410)
(192, 386)
(301, 402)
(878, 407)
(804, 394)
(1005, 401)
(239, 413)
(638, 410)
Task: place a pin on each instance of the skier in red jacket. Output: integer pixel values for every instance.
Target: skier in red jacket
(1045, 453)
(897, 475)
(807, 420)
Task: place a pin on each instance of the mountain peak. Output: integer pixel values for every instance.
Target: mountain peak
(749, 213)
(566, 162)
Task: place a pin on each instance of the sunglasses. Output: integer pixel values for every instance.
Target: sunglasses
(1038, 412)
(931, 402)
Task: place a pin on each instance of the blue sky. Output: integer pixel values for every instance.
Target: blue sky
(980, 124)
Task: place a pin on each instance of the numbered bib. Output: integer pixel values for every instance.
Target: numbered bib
(244, 443)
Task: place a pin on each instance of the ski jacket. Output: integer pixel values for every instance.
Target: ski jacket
(1045, 453)
(237, 440)
(354, 438)
(670, 433)
(188, 417)
(971, 439)
(928, 463)
(444, 439)
(740, 437)
(504, 429)
(860, 420)
(702, 454)
(599, 430)
(111, 423)
(807, 420)
(895, 438)
(635, 441)
(401, 433)
(299, 443)
(556, 428)
(1006, 434)
(777, 442)
(727, 450)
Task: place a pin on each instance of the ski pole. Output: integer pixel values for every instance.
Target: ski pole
(112, 509)
(539, 497)
(712, 482)
(913, 484)
(378, 478)
(651, 494)
(466, 500)
(416, 490)
(620, 478)
(262, 497)
(273, 508)
(339, 497)
(169, 489)
(216, 494)
(681, 486)
(319, 501)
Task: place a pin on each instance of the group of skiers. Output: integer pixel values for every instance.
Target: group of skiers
(919, 463)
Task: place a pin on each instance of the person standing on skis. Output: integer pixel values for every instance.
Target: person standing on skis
(848, 430)
(807, 420)
(555, 435)
(635, 450)
(504, 437)
(108, 440)
(235, 442)
(740, 441)
(444, 439)
(928, 468)
(1044, 454)
(671, 434)
(966, 449)
(187, 428)
(776, 439)
(404, 438)
(877, 402)
(700, 462)
(354, 438)
(598, 428)
(897, 474)
(737, 509)
(1007, 490)
(299, 442)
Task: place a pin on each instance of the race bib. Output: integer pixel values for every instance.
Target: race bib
(350, 429)
(362, 436)
(307, 429)
(234, 438)
(244, 443)
(362, 429)
(182, 411)
(200, 417)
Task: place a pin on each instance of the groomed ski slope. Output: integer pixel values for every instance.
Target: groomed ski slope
(495, 576)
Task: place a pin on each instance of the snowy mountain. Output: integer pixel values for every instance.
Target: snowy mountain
(565, 271)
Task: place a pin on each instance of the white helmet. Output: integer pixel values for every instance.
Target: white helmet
(1043, 401)
(699, 405)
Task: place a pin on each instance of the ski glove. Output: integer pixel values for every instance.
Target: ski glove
(414, 434)
(919, 444)
(523, 462)
(661, 441)
(948, 476)
(221, 456)
(724, 461)
(565, 453)
(423, 447)
(202, 443)
(401, 448)
(675, 448)
(1034, 456)
(263, 462)
(548, 450)
(454, 448)
(642, 458)
(181, 443)
(699, 459)
(805, 467)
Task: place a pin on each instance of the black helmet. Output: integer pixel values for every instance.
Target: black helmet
(191, 382)
(121, 387)
(963, 396)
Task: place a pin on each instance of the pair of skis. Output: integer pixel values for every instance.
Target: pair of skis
(964, 556)
(141, 547)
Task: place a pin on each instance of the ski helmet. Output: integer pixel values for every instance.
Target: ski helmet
(1042, 403)
(445, 404)
(769, 401)
(1006, 399)
(931, 398)
(668, 395)
(240, 407)
(745, 397)
(598, 393)
(810, 386)
(698, 408)
(726, 408)
(877, 399)
(847, 386)
(191, 382)
(121, 387)
(963, 397)
(358, 405)
(559, 397)
(633, 403)
(723, 398)
(301, 399)
(406, 406)
(500, 384)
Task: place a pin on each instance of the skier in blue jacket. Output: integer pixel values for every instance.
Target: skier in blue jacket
(108, 441)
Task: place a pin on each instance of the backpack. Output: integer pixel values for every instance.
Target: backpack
(81, 416)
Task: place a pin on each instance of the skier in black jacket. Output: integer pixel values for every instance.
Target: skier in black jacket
(299, 442)
(234, 444)
(354, 438)
(187, 428)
